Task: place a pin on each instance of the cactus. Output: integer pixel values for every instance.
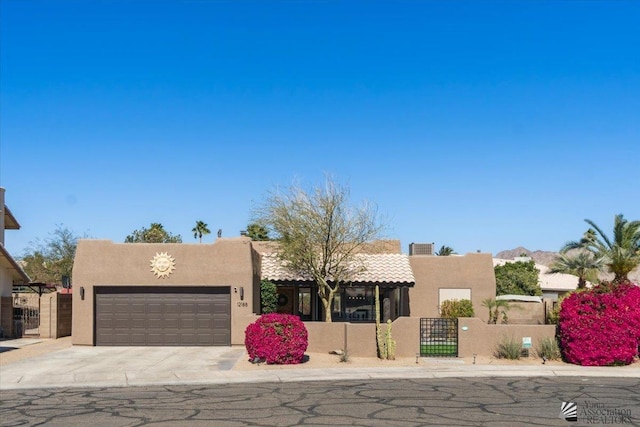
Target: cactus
(382, 348)
(390, 343)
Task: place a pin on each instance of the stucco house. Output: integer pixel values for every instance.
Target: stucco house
(207, 294)
(10, 271)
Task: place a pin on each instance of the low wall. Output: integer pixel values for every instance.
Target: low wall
(474, 336)
(477, 337)
(325, 337)
(360, 338)
(55, 315)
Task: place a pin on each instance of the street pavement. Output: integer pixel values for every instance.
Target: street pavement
(51, 383)
(503, 401)
(82, 366)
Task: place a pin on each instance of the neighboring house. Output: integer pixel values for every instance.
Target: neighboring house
(207, 294)
(10, 271)
(553, 285)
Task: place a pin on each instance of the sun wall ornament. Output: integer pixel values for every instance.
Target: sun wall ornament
(162, 265)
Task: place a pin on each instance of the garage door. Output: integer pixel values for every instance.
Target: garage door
(147, 316)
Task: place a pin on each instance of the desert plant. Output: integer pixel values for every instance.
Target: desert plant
(276, 339)
(382, 348)
(268, 297)
(490, 303)
(389, 343)
(445, 251)
(497, 308)
(547, 348)
(601, 326)
(453, 308)
(344, 356)
(508, 348)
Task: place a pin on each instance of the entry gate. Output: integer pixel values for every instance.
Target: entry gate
(26, 321)
(438, 337)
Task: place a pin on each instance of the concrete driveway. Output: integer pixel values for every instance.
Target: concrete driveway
(117, 366)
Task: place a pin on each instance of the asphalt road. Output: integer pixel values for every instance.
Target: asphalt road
(444, 401)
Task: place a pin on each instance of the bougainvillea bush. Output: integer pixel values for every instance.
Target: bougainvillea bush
(601, 326)
(276, 339)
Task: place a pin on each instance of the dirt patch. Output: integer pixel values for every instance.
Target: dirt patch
(325, 360)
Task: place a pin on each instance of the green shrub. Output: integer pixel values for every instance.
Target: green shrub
(453, 308)
(268, 297)
(517, 278)
(508, 348)
(548, 348)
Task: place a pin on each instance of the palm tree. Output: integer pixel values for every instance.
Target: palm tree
(445, 251)
(620, 255)
(200, 230)
(496, 306)
(584, 265)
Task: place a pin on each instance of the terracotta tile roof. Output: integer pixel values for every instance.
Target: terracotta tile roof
(377, 268)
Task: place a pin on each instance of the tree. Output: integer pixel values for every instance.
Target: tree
(257, 232)
(583, 264)
(517, 278)
(154, 234)
(50, 260)
(320, 234)
(620, 255)
(445, 251)
(200, 230)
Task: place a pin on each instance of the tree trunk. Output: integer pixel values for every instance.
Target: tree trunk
(325, 292)
(620, 278)
(327, 311)
(581, 283)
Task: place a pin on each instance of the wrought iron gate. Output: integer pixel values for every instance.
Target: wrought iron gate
(26, 315)
(438, 337)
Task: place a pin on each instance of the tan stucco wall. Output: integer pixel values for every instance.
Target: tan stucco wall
(6, 316)
(6, 282)
(361, 337)
(325, 337)
(55, 315)
(225, 263)
(526, 313)
(406, 332)
(473, 271)
(481, 339)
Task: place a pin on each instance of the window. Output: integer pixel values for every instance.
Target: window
(359, 304)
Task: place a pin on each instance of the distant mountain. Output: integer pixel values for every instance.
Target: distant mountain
(546, 258)
(540, 257)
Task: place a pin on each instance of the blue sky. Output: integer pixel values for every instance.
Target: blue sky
(479, 125)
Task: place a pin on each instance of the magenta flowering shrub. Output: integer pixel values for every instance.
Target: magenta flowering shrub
(276, 339)
(601, 326)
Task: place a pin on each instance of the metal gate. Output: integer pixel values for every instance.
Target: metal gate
(438, 337)
(26, 321)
